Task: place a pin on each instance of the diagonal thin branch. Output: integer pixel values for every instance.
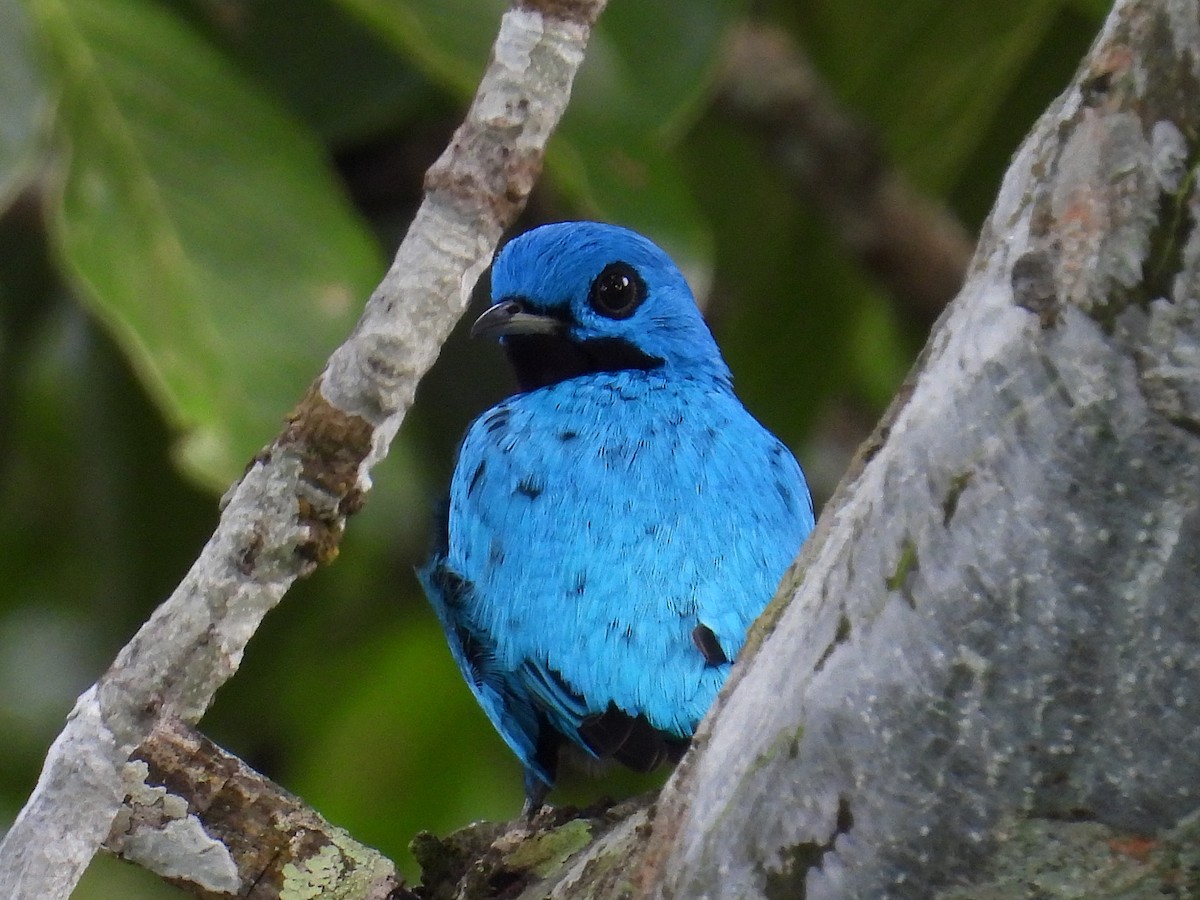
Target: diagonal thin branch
(288, 512)
(912, 244)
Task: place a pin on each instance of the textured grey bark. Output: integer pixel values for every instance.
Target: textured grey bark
(204, 820)
(287, 514)
(998, 618)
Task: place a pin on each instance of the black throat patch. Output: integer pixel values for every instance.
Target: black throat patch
(544, 359)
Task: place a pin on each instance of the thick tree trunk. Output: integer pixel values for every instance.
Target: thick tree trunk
(997, 619)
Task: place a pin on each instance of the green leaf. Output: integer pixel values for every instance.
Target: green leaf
(109, 877)
(786, 306)
(447, 39)
(647, 68)
(930, 73)
(332, 70)
(1095, 10)
(22, 99)
(201, 224)
(404, 725)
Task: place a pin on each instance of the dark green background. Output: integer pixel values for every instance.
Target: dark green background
(196, 197)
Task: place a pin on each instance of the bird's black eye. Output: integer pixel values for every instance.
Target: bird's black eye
(617, 291)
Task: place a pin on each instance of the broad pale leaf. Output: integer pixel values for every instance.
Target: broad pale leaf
(930, 73)
(200, 223)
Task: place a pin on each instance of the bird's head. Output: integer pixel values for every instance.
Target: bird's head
(576, 298)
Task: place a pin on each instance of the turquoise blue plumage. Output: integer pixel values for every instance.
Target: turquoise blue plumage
(615, 526)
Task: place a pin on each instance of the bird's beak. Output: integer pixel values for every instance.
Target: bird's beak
(510, 317)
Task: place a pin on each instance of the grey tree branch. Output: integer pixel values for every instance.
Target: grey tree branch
(995, 623)
(287, 513)
(205, 821)
(911, 244)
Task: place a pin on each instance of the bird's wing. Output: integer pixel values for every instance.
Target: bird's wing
(502, 696)
(522, 701)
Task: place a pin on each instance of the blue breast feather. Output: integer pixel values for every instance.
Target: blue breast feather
(610, 536)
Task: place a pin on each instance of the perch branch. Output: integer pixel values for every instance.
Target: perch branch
(205, 821)
(287, 513)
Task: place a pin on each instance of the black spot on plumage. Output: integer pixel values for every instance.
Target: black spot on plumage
(580, 584)
(708, 645)
(567, 435)
(454, 588)
(529, 487)
(629, 739)
(786, 493)
(497, 419)
(676, 747)
(647, 748)
(476, 478)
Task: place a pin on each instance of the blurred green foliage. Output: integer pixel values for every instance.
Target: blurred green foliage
(197, 195)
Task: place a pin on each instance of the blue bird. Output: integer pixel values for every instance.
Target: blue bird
(615, 526)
